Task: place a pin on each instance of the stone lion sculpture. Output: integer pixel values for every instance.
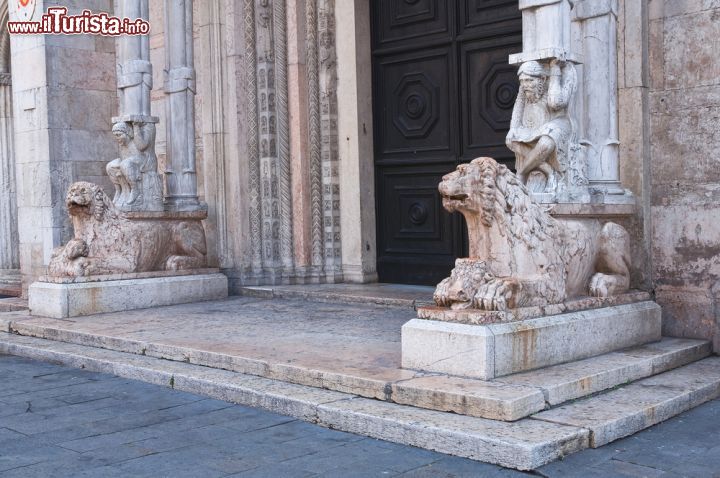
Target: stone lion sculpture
(519, 254)
(107, 242)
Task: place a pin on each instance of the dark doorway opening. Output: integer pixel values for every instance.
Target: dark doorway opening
(443, 94)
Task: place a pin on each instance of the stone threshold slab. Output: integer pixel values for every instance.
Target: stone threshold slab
(499, 400)
(524, 445)
(379, 294)
(627, 410)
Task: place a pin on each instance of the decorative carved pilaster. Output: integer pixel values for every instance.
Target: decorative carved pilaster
(316, 187)
(329, 136)
(274, 150)
(253, 150)
(283, 135)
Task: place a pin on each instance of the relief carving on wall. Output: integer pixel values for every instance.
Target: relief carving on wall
(520, 256)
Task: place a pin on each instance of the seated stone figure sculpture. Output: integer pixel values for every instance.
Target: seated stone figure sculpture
(519, 254)
(134, 173)
(540, 129)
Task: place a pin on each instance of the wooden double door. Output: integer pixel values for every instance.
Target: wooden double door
(443, 94)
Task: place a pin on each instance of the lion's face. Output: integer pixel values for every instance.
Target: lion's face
(459, 189)
(80, 197)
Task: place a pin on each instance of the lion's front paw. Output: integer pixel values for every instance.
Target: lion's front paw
(606, 285)
(497, 294)
(442, 293)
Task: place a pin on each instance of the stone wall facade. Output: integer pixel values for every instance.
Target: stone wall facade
(63, 99)
(684, 134)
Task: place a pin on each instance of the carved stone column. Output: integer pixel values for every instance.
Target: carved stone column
(137, 184)
(9, 258)
(598, 121)
(180, 172)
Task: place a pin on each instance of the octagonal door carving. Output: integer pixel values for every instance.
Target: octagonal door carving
(442, 94)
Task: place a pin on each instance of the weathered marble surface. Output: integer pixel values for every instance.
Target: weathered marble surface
(61, 300)
(494, 350)
(519, 255)
(624, 411)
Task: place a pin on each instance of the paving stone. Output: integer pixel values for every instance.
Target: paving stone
(7, 434)
(639, 405)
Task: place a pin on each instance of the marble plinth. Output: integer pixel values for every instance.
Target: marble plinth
(61, 300)
(494, 350)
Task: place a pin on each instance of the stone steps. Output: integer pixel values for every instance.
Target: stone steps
(507, 398)
(524, 444)
(639, 405)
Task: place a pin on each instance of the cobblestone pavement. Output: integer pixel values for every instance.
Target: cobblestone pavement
(59, 421)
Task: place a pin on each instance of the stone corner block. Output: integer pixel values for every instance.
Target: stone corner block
(88, 298)
(455, 349)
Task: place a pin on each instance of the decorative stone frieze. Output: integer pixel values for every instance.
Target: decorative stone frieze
(328, 115)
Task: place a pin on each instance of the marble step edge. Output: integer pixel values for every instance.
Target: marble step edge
(12, 304)
(525, 444)
(269, 292)
(500, 399)
(626, 410)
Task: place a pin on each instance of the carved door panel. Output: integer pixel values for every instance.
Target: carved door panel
(442, 94)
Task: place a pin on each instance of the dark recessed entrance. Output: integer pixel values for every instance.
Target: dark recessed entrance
(443, 94)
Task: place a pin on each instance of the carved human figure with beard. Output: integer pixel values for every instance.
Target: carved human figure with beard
(540, 129)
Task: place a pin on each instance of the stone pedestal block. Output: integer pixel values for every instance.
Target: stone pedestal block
(488, 351)
(73, 299)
